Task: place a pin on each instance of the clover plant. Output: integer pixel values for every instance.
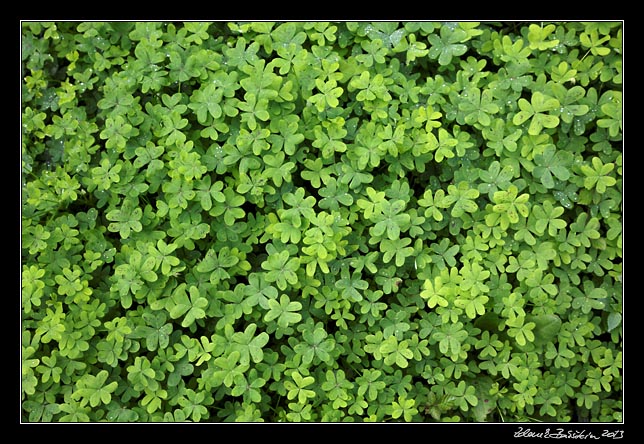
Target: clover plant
(316, 221)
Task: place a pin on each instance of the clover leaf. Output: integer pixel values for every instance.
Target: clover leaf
(590, 39)
(316, 346)
(538, 111)
(509, 205)
(284, 311)
(550, 164)
(598, 176)
(351, 284)
(227, 369)
(478, 106)
(300, 207)
(462, 198)
(611, 106)
(547, 217)
(497, 138)
(463, 395)
(126, 219)
(391, 221)
(156, 331)
(539, 37)
(395, 352)
(192, 305)
(281, 269)
(217, 264)
(296, 387)
(93, 390)
(447, 44)
(521, 330)
(249, 345)
(328, 95)
(205, 102)
(399, 249)
(450, 338)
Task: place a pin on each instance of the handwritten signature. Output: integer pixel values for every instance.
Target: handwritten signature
(561, 433)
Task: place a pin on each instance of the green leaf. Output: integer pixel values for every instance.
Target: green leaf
(598, 176)
(191, 403)
(538, 111)
(464, 395)
(286, 134)
(205, 102)
(614, 320)
(328, 95)
(396, 352)
(495, 178)
(547, 217)
(162, 254)
(193, 306)
(69, 282)
(502, 136)
(447, 45)
(301, 207)
(478, 106)
(336, 387)
(463, 198)
(473, 307)
(551, 164)
(93, 390)
(546, 328)
(227, 369)
(296, 387)
(444, 253)
(611, 106)
(373, 205)
(350, 285)
(443, 146)
(249, 345)
(156, 332)
(141, 375)
(281, 269)
(334, 195)
(125, 220)
(261, 82)
(374, 52)
(404, 407)
(391, 221)
(188, 164)
(285, 311)
(373, 88)
(117, 132)
(398, 249)
(276, 169)
(217, 265)
(450, 339)
(316, 345)
(539, 37)
(432, 292)
(521, 330)
(590, 39)
(509, 205)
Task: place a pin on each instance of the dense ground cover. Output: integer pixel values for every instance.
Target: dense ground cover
(322, 221)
